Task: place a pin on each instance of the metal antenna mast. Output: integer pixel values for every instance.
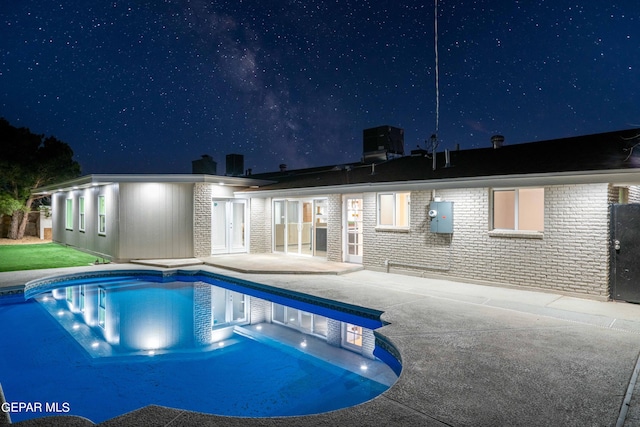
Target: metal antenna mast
(434, 137)
(437, 70)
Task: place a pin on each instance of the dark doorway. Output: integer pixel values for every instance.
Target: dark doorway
(625, 252)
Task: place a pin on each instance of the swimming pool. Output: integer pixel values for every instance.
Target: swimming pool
(104, 344)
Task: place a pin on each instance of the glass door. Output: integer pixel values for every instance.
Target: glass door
(237, 226)
(320, 228)
(294, 227)
(279, 226)
(306, 228)
(228, 227)
(296, 224)
(219, 227)
(353, 230)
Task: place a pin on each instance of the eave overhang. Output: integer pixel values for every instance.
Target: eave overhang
(619, 177)
(98, 180)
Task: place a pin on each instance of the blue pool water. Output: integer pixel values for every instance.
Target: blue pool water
(51, 354)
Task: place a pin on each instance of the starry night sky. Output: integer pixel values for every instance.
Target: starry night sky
(148, 86)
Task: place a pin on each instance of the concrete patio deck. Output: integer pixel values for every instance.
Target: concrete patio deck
(471, 354)
(259, 264)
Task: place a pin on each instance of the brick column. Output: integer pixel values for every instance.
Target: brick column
(202, 220)
(201, 313)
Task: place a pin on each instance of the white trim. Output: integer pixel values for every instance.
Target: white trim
(99, 180)
(516, 231)
(616, 176)
(394, 215)
(82, 217)
(517, 234)
(68, 213)
(102, 232)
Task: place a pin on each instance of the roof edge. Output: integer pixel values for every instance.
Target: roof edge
(104, 179)
(617, 176)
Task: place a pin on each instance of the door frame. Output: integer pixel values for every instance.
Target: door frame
(229, 205)
(355, 259)
(299, 225)
(624, 272)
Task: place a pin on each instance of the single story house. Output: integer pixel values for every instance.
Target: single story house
(559, 215)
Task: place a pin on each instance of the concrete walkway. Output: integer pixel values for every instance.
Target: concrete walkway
(472, 355)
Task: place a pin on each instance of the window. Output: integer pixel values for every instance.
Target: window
(519, 209)
(393, 209)
(81, 298)
(102, 306)
(102, 216)
(353, 335)
(68, 215)
(81, 214)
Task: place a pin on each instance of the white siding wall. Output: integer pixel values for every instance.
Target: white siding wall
(90, 241)
(156, 220)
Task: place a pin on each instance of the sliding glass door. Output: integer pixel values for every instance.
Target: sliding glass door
(297, 224)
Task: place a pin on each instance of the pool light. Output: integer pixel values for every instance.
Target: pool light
(303, 344)
(363, 367)
(95, 344)
(221, 344)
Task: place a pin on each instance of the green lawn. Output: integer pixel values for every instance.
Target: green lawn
(47, 255)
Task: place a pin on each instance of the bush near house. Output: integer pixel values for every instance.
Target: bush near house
(48, 255)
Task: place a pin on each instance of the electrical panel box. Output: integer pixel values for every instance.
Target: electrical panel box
(441, 214)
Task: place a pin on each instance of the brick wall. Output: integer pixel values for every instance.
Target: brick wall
(634, 194)
(202, 313)
(202, 220)
(571, 256)
(368, 343)
(260, 311)
(334, 332)
(334, 228)
(260, 216)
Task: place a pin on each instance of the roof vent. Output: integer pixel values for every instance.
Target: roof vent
(497, 141)
(283, 167)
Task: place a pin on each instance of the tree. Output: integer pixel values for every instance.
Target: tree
(28, 161)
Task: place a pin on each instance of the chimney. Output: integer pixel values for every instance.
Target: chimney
(205, 165)
(497, 141)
